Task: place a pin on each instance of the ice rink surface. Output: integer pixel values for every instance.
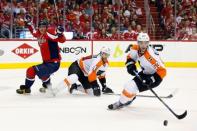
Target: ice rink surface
(79, 112)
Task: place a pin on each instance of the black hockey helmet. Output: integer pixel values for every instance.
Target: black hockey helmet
(43, 23)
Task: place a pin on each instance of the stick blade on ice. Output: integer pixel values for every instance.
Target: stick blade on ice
(182, 115)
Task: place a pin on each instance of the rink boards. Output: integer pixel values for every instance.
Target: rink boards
(22, 54)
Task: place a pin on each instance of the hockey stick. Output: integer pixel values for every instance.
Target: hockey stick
(56, 12)
(177, 116)
(148, 96)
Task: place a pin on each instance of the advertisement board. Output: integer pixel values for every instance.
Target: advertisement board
(173, 53)
(21, 54)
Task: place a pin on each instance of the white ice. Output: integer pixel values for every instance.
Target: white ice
(79, 112)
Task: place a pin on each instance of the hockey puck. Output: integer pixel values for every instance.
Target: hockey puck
(165, 122)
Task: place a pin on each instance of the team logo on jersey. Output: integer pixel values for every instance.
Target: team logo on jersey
(24, 51)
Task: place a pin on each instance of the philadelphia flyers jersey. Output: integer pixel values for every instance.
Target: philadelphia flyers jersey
(150, 61)
(93, 66)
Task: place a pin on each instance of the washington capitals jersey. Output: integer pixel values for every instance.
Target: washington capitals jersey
(48, 44)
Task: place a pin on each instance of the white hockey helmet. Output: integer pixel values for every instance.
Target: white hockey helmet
(105, 50)
(143, 37)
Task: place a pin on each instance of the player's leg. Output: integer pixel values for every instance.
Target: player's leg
(127, 96)
(44, 71)
(75, 86)
(46, 81)
(30, 78)
(73, 75)
(131, 88)
(86, 86)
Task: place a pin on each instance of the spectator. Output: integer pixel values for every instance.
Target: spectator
(194, 34)
(108, 14)
(130, 34)
(114, 34)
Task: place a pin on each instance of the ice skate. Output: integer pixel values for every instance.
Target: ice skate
(48, 90)
(74, 87)
(43, 88)
(119, 105)
(107, 90)
(23, 90)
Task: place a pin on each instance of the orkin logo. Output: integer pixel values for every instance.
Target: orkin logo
(24, 51)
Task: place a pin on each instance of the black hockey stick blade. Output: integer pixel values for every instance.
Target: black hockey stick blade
(182, 115)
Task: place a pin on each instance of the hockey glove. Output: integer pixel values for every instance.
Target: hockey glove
(95, 88)
(105, 89)
(60, 30)
(148, 81)
(152, 79)
(131, 67)
(28, 19)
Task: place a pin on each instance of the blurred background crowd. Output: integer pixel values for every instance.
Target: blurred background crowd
(103, 19)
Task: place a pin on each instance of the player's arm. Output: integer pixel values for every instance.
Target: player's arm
(158, 65)
(92, 77)
(131, 59)
(130, 65)
(33, 31)
(102, 80)
(160, 72)
(95, 86)
(59, 36)
(156, 77)
(30, 26)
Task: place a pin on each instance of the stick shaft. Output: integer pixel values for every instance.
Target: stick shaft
(177, 116)
(56, 11)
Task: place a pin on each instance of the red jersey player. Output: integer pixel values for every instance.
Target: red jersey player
(48, 43)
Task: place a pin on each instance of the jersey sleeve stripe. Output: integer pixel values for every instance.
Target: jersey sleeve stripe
(161, 71)
(92, 76)
(81, 65)
(127, 94)
(135, 47)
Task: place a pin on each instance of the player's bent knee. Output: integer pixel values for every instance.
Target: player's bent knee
(30, 73)
(131, 87)
(73, 78)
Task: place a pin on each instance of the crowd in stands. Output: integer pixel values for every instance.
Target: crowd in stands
(106, 16)
(109, 19)
(178, 19)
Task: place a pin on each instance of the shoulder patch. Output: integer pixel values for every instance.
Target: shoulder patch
(135, 47)
(128, 48)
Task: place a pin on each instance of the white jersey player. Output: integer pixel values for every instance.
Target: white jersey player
(86, 70)
(153, 71)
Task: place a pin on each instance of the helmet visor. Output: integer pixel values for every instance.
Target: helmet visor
(143, 42)
(105, 55)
